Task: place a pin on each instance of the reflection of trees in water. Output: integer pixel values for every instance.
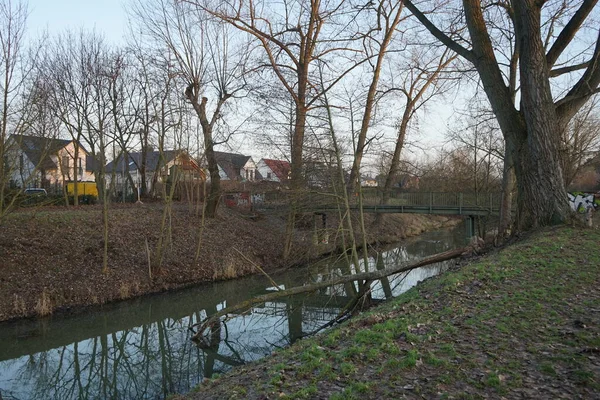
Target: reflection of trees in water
(145, 362)
(154, 360)
(158, 358)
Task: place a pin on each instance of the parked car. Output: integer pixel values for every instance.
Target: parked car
(35, 192)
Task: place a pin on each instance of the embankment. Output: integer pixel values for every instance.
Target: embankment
(523, 322)
(51, 258)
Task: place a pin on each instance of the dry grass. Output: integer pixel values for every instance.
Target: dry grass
(227, 270)
(19, 305)
(135, 288)
(44, 307)
(124, 291)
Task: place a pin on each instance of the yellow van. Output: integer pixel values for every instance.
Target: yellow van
(83, 188)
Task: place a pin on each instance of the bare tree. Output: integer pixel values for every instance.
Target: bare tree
(421, 84)
(377, 41)
(532, 133)
(69, 69)
(580, 141)
(205, 59)
(15, 69)
(293, 41)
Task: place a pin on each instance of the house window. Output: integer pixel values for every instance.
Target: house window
(268, 175)
(80, 167)
(251, 174)
(247, 174)
(65, 164)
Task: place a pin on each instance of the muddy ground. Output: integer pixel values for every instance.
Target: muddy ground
(51, 258)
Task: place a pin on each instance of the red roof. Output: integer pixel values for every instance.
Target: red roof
(281, 169)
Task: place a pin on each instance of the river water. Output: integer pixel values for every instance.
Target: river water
(141, 348)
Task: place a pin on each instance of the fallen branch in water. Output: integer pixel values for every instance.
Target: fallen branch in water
(363, 276)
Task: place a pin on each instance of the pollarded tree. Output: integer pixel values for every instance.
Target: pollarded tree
(206, 57)
(533, 130)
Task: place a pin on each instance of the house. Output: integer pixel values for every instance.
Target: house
(131, 167)
(235, 167)
(49, 163)
(273, 170)
(367, 181)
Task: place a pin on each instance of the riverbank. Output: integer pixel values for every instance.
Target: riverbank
(51, 258)
(523, 322)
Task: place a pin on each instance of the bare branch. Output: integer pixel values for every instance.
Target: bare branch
(568, 33)
(441, 36)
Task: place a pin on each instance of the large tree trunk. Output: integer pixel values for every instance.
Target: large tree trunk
(531, 134)
(214, 193)
(542, 196)
(297, 181)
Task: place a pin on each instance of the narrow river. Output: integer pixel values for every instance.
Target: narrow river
(141, 349)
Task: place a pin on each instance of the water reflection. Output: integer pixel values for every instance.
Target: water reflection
(141, 349)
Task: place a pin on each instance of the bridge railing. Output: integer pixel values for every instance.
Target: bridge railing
(317, 199)
(490, 201)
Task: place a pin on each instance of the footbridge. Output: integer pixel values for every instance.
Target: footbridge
(471, 205)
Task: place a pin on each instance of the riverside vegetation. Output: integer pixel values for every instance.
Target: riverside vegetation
(51, 257)
(521, 322)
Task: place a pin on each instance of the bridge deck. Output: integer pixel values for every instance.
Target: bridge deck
(471, 204)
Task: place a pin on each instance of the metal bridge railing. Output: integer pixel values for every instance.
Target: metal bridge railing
(312, 199)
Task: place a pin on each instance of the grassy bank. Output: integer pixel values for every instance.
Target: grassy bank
(51, 257)
(521, 323)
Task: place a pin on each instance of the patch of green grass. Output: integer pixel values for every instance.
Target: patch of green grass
(360, 387)
(333, 338)
(370, 337)
(431, 359)
(583, 377)
(410, 360)
(547, 369)
(373, 354)
(390, 348)
(347, 368)
(304, 393)
(278, 367)
(275, 380)
(353, 351)
(493, 380)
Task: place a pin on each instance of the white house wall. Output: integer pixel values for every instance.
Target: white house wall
(222, 174)
(250, 168)
(23, 177)
(82, 174)
(264, 170)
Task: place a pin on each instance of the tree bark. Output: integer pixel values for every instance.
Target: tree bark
(392, 175)
(531, 135)
(508, 185)
(542, 196)
(214, 194)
